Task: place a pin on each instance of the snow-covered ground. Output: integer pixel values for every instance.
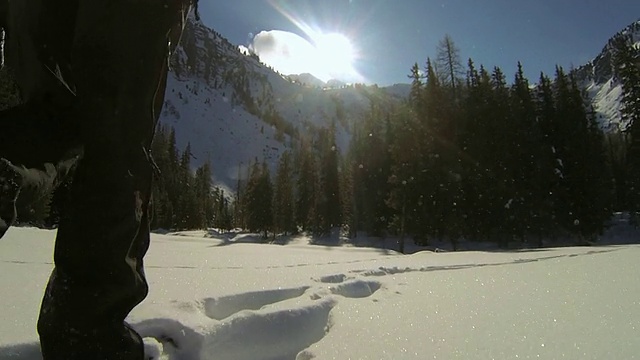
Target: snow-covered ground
(224, 297)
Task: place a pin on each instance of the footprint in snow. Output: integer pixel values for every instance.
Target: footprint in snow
(246, 328)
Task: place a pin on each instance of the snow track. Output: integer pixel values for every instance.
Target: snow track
(223, 307)
(272, 335)
(275, 324)
(303, 302)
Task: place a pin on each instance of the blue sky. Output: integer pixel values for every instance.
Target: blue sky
(390, 35)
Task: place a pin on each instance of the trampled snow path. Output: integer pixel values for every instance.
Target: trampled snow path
(215, 300)
(253, 325)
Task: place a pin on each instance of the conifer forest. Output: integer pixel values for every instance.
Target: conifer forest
(473, 154)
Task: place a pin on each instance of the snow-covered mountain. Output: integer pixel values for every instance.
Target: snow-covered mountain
(309, 80)
(234, 109)
(604, 90)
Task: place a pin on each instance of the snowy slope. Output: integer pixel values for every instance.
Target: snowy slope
(604, 90)
(226, 298)
(224, 103)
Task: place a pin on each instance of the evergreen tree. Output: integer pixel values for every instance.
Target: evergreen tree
(531, 164)
(305, 184)
(627, 70)
(258, 199)
(440, 174)
(180, 198)
(188, 216)
(328, 196)
(283, 196)
(172, 152)
(617, 145)
(597, 194)
(161, 205)
(548, 120)
(449, 63)
(583, 205)
(222, 212)
(354, 196)
(251, 202)
(405, 154)
(266, 190)
(369, 152)
(204, 197)
(239, 215)
(626, 61)
(347, 195)
(171, 178)
(501, 149)
(476, 142)
(415, 96)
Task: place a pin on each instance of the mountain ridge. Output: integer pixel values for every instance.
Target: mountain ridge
(234, 110)
(598, 78)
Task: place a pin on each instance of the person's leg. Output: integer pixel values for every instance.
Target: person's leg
(38, 145)
(119, 62)
(98, 279)
(36, 150)
(37, 46)
(38, 139)
(34, 133)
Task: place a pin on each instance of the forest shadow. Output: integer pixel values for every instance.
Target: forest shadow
(516, 250)
(515, 261)
(328, 242)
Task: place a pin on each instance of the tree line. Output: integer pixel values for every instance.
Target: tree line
(468, 156)
(625, 143)
(304, 195)
(182, 198)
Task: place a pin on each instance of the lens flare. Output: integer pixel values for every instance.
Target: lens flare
(334, 54)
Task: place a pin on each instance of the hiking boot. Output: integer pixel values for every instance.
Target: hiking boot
(10, 185)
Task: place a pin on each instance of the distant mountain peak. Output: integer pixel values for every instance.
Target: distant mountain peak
(603, 89)
(306, 79)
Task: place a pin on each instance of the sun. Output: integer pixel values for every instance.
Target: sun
(330, 54)
(336, 49)
(335, 55)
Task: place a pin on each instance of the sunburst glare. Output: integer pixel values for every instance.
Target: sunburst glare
(326, 54)
(335, 55)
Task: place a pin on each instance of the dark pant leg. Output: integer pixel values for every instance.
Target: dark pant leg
(36, 133)
(119, 62)
(37, 138)
(39, 146)
(98, 277)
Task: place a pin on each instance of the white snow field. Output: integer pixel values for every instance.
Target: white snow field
(223, 297)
